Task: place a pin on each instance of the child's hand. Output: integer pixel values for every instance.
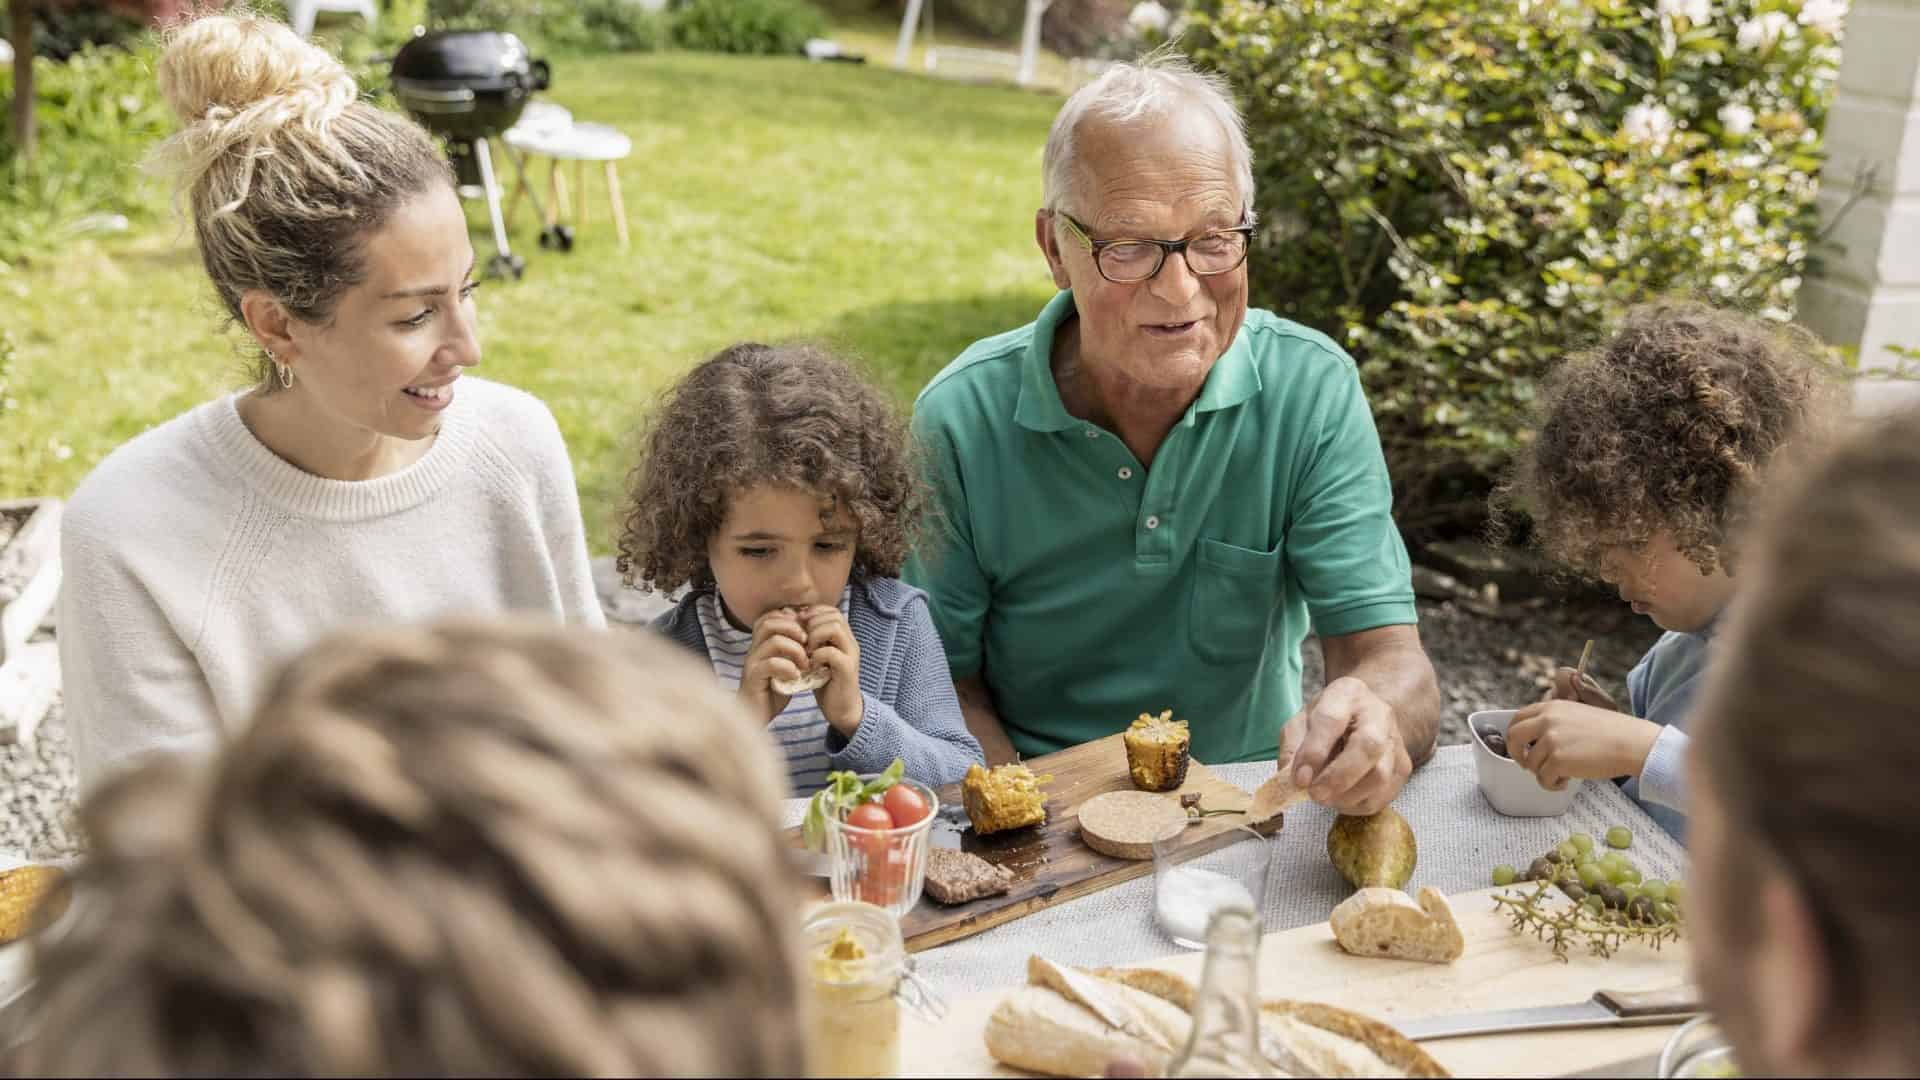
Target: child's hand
(1559, 741)
(779, 651)
(1587, 692)
(830, 644)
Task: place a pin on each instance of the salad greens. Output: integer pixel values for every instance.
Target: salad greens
(844, 791)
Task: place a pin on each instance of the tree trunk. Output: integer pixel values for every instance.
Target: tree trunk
(23, 77)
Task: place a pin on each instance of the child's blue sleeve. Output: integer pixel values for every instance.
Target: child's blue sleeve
(922, 725)
(1663, 777)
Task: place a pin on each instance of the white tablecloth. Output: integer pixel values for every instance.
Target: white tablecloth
(1461, 840)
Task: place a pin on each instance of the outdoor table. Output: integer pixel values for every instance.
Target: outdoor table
(1461, 840)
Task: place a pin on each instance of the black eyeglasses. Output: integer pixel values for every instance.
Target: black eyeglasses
(1128, 261)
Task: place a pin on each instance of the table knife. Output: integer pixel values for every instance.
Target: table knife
(1608, 1008)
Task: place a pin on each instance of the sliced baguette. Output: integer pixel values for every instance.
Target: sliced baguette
(1036, 1029)
(1298, 1037)
(1389, 924)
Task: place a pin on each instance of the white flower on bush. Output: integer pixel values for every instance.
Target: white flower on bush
(1736, 118)
(1746, 217)
(1149, 16)
(1694, 11)
(1650, 124)
(1763, 31)
(1826, 16)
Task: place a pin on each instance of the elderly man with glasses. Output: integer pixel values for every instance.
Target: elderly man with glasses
(1149, 493)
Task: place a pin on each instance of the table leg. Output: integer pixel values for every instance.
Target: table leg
(580, 190)
(562, 206)
(619, 208)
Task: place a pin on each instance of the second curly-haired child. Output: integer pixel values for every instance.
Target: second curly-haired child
(780, 490)
(1647, 453)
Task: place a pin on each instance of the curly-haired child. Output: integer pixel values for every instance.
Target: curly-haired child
(780, 489)
(1647, 452)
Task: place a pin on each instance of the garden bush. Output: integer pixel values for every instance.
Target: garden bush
(96, 115)
(758, 27)
(1460, 191)
(585, 26)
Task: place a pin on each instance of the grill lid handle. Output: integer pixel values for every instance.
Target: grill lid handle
(457, 96)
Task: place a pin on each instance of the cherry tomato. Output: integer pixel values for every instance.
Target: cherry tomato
(905, 805)
(870, 815)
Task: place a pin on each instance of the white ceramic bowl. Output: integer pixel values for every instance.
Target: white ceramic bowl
(1511, 789)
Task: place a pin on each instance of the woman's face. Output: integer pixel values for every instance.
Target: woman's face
(387, 362)
(773, 550)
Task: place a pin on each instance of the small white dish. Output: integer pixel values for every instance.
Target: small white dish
(1510, 788)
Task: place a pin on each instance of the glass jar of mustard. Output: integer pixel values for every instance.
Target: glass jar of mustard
(855, 961)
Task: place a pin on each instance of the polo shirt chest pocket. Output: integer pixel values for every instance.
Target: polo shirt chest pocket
(1234, 593)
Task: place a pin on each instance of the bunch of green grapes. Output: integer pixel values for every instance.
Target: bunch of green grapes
(1606, 883)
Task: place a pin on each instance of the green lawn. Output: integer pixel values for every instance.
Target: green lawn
(771, 199)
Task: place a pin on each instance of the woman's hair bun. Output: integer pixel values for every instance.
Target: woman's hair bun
(216, 66)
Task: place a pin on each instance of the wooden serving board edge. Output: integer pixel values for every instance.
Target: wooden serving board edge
(1128, 870)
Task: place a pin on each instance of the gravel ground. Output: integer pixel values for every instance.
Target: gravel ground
(1483, 662)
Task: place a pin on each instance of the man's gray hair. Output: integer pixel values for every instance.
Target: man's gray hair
(1155, 86)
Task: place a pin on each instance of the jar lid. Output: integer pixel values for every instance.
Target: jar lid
(879, 951)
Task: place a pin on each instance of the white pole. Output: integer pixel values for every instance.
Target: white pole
(1030, 39)
(908, 23)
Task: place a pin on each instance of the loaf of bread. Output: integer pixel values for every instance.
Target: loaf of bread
(1070, 1022)
(1388, 923)
(1157, 751)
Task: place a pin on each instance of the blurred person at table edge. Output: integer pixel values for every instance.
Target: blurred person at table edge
(467, 849)
(1149, 491)
(1806, 821)
(363, 476)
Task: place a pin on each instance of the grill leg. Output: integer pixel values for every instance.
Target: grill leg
(485, 161)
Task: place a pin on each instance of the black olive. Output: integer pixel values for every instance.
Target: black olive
(1575, 891)
(1613, 896)
(1541, 870)
(1640, 909)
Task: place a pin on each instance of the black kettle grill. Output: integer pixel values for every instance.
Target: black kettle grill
(470, 86)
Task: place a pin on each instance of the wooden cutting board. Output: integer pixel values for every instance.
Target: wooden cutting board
(1501, 970)
(1050, 861)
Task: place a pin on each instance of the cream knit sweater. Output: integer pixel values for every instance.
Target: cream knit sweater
(196, 561)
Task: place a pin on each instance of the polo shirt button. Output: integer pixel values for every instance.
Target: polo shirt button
(1092, 434)
(1126, 473)
(1153, 522)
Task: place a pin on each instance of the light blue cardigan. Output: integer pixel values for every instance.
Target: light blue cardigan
(912, 712)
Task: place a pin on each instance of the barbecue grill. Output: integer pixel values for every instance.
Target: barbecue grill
(470, 86)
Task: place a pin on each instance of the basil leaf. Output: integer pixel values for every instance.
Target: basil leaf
(879, 784)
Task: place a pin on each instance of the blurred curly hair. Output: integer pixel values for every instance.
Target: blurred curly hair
(1670, 425)
(792, 416)
(453, 850)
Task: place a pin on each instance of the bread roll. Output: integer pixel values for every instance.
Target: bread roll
(1388, 923)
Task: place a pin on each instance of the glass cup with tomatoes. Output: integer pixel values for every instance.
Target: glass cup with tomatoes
(878, 850)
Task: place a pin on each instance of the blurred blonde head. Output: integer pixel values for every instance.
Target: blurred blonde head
(467, 849)
(1806, 817)
(284, 170)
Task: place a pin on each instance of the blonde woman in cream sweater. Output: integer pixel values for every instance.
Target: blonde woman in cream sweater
(365, 478)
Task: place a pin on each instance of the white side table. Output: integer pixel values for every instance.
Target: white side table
(300, 13)
(579, 143)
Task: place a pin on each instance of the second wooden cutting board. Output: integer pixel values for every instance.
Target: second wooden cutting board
(1050, 862)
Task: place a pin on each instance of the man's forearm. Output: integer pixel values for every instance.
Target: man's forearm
(983, 720)
(1392, 663)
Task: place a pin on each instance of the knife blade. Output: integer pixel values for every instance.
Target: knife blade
(1608, 1008)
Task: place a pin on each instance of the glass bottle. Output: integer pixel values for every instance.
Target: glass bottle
(1225, 1040)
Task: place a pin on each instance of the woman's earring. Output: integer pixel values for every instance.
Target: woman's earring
(285, 371)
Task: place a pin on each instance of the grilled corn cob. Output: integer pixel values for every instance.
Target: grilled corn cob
(22, 890)
(1157, 752)
(1009, 797)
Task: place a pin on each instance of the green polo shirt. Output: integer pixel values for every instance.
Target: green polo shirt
(1092, 589)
